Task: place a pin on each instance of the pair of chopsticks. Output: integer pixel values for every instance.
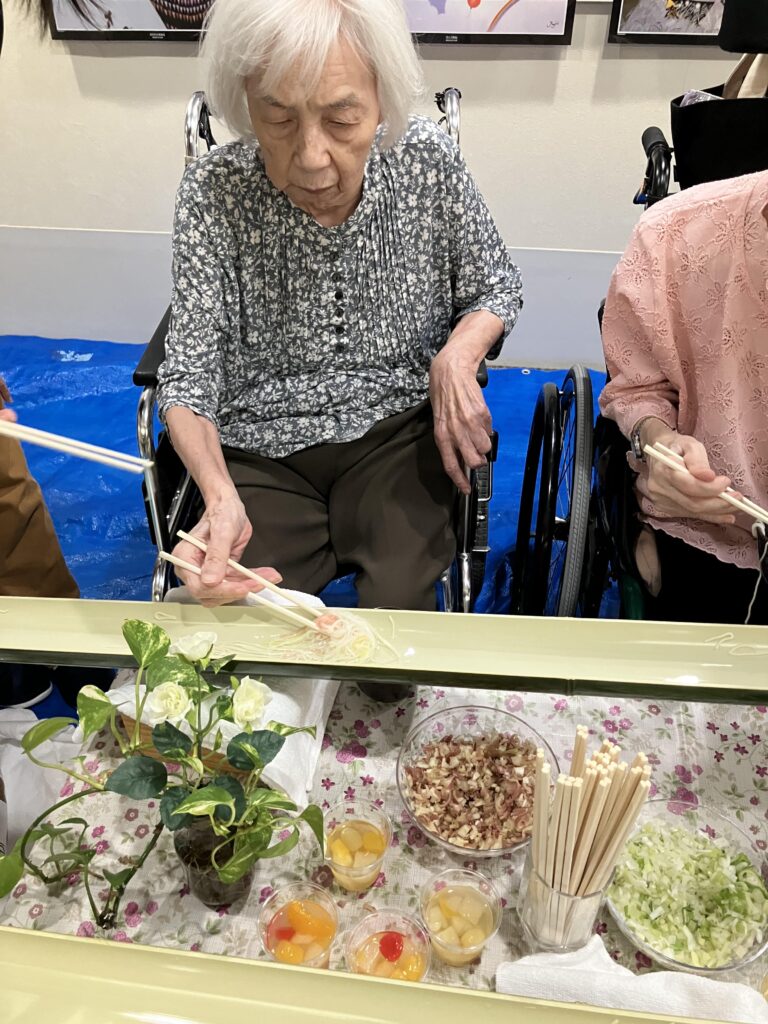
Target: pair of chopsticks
(286, 613)
(81, 449)
(661, 453)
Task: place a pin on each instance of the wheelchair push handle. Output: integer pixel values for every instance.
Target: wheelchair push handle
(658, 171)
(653, 137)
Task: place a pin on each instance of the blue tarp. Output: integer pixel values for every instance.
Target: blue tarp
(83, 389)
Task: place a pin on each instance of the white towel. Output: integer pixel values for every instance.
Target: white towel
(590, 976)
(29, 789)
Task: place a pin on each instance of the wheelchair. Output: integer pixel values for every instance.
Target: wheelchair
(577, 524)
(171, 497)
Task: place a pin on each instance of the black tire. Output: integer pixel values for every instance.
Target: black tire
(532, 556)
(574, 487)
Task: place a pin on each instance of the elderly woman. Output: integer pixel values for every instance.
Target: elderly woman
(684, 334)
(337, 281)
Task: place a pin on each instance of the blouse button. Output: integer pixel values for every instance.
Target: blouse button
(339, 328)
(340, 346)
(339, 295)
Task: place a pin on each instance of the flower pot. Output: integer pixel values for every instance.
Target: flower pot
(194, 846)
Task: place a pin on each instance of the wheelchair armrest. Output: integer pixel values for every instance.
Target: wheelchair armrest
(145, 374)
(482, 374)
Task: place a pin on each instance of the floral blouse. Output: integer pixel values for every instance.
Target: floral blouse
(685, 334)
(287, 334)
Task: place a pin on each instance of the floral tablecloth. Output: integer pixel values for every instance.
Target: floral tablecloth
(713, 754)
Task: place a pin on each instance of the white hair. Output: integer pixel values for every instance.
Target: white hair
(270, 38)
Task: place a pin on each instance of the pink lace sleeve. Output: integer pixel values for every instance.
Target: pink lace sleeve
(638, 338)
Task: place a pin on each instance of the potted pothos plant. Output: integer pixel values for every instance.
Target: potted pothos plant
(190, 738)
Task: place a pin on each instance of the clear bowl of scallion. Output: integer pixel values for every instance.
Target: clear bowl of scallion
(691, 889)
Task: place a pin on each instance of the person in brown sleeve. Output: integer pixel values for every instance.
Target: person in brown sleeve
(31, 562)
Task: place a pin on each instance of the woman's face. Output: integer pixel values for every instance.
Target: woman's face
(315, 146)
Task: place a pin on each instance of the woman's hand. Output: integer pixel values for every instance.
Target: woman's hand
(677, 495)
(226, 531)
(462, 419)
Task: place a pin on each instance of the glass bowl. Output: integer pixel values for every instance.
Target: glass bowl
(349, 875)
(704, 821)
(363, 948)
(467, 722)
(310, 950)
(438, 919)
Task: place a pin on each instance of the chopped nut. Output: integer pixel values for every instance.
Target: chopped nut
(474, 792)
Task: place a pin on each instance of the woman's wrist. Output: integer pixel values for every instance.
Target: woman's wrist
(649, 430)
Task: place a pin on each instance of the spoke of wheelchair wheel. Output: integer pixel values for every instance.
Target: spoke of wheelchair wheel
(555, 576)
(566, 474)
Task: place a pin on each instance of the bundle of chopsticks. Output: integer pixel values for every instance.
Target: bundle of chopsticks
(661, 453)
(80, 449)
(311, 615)
(578, 837)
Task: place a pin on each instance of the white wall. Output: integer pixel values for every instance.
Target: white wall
(91, 137)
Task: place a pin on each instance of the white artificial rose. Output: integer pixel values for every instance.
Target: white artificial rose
(248, 704)
(168, 702)
(194, 647)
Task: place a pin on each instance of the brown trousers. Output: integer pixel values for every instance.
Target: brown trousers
(381, 506)
(31, 562)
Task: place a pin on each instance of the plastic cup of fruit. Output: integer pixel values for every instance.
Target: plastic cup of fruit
(357, 836)
(298, 924)
(462, 911)
(388, 944)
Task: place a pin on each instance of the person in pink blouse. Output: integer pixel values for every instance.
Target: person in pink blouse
(685, 334)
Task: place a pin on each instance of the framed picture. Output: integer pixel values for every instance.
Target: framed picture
(128, 19)
(666, 21)
(492, 21)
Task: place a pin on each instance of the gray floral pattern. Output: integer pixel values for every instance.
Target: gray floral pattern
(287, 334)
(711, 754)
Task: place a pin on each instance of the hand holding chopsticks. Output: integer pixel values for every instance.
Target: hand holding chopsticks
(280, 610)
(314, 613)
(661, 453)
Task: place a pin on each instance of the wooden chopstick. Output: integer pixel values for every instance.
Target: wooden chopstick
(202, 546)
(757, 513)
(276, 608)
(679, 459)
(80, 449)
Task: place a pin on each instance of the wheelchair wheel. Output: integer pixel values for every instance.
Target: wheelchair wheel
(533, 551)
(548, 564)
(574, 486)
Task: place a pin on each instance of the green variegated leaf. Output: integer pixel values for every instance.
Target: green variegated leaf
(291, 730)
(94, 709)
(45, 729)
(281, 848)
(206, 801)
(173, 669)
(147, 642)
(314, 818)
